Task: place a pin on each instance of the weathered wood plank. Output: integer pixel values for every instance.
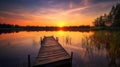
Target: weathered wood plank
(51, 52)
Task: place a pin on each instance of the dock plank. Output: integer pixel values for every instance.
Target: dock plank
(51, 52)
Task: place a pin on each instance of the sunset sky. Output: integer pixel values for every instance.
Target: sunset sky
(53, 12)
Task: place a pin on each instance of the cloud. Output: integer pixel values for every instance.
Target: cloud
(98, 9)
(75, 10)
(102, 1)
(71, 4)
(86, 2)
(53, 11)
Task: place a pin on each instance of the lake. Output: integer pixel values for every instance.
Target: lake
(90, 49)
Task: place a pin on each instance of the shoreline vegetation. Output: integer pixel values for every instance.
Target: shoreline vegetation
(112, 19)
(16, 28)
(7, 28)
(110, 22)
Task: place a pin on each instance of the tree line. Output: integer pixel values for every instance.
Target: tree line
(111, 19)
(44, 28)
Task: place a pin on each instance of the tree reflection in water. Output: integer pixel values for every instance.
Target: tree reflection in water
(104, 40)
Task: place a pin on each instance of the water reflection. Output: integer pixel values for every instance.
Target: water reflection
(91, 49)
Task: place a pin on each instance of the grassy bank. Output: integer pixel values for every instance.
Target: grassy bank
(104, 28)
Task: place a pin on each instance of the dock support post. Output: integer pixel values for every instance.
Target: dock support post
(71, 56)
(57, 38)
(29, 65)
(41, 40)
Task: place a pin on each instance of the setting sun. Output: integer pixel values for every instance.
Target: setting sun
(61, 24)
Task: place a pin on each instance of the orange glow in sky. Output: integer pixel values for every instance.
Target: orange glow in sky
(61, 24)
(52, 12)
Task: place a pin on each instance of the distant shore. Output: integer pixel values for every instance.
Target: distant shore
(104, 28)
(71, 28)
(74, 28)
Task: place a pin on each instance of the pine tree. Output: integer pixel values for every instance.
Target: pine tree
(116, 17)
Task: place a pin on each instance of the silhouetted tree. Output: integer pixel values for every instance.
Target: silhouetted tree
(100, 21)
(116, 16)
(113, 18)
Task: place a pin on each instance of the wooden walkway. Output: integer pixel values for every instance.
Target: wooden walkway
(52, 54)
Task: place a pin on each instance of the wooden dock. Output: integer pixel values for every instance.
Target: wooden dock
(52, 54)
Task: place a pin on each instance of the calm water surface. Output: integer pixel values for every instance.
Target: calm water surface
(91, 49)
